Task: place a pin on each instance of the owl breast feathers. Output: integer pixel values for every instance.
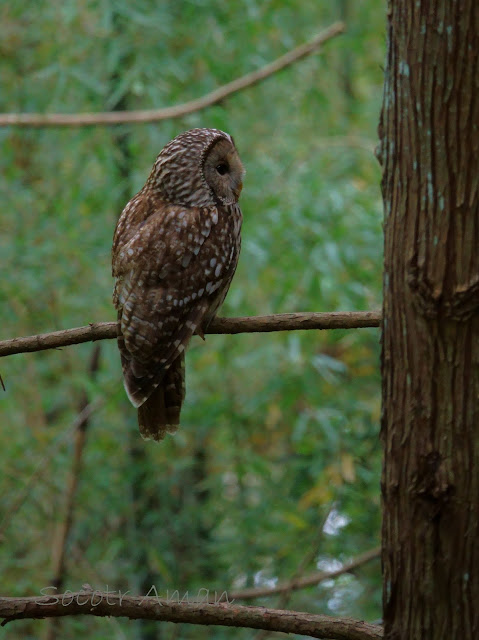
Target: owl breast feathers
(175, 250)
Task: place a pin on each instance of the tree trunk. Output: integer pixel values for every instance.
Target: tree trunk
(429, 149)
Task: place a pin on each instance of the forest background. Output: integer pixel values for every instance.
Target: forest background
(275, 471)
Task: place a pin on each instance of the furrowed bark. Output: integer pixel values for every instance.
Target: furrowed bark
(430, 357)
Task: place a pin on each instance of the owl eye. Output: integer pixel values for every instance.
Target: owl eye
(222, 168)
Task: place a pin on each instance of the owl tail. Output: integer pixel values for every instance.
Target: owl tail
(160, 413)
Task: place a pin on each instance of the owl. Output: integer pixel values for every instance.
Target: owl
(175, 250)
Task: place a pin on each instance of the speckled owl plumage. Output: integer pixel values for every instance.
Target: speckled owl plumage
(175, 250)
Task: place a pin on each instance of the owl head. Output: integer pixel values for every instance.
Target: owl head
(198, 168)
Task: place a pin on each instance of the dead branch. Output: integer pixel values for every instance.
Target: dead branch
(253, 324)
(152, 608)
(312, 552)
(307, 581)
(42, 466)
(178, 111)
(60, 539)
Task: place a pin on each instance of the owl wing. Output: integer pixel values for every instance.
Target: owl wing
(171, 266)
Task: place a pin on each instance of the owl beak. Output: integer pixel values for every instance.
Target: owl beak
(237, 190)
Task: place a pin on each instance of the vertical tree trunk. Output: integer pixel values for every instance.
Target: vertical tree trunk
(429, 149)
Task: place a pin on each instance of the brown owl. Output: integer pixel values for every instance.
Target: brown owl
(175, 250)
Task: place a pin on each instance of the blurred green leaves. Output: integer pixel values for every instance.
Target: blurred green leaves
(278, 429)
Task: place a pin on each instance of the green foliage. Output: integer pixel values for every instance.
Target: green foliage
(280, 431)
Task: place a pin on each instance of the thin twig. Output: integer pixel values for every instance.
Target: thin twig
(178, 111)
(42, 466)
(306, 560)
(151, 608)
(60, 538)
(307, 581)
(254, 324)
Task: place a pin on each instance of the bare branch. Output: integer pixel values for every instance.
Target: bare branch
(60, 539)
(178, 111)
(151, 608)
(254, 324)
(42, 466)
(306, 581)
(306, 560)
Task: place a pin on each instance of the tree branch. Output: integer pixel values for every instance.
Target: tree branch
(254, 324)
(60, 539)
(312, 552)
(178, 111)
(307, 581)
(42, 466)
(151, 608)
